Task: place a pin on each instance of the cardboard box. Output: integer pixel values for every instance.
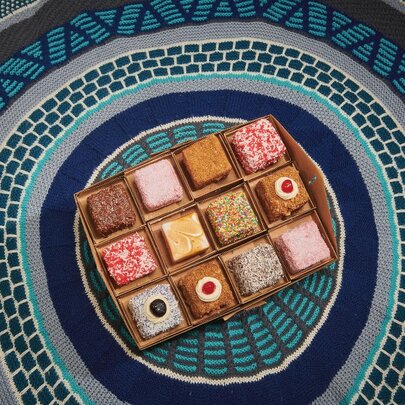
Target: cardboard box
(149, 224)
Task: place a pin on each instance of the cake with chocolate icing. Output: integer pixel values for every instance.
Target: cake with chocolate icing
(256, 269)
(110, 210)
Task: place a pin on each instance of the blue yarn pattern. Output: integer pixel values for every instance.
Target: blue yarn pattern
(92, 28)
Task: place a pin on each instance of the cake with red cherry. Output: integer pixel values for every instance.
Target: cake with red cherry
(281, 193)
(206, 290)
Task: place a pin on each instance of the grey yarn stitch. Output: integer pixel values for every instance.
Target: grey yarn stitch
(146, 328)
(256, 269)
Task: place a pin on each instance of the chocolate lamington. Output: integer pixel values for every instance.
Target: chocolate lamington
(256, 269)
(206, 290)
(111, 210)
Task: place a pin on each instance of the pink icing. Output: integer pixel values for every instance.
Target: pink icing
(158, 185)
(302, 246)
(257, 145)
(128, 259)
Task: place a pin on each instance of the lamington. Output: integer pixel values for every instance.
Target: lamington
(206, 290)
(206, 162)
(281, 193)
(302, 246)
(110, 210)
(257, 145)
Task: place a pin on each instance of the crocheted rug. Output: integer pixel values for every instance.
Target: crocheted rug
(87, 90)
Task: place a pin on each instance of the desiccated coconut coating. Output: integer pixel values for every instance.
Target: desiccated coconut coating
(188, 285)
(128, 259)
(302, 246)
(206, 161)
(111, 210)
(147, 328)
(232, 217)
(256, 269)
(257, 145)
(158, 185)
(275, 206)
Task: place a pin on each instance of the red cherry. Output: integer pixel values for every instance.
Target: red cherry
(287, 186)
(208, 287)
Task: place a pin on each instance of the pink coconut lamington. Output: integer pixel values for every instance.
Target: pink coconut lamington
(302, 246)
(158, 185)
(128, 259)
(257, 145)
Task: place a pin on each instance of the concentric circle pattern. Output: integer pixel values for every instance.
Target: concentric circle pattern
(336, 336)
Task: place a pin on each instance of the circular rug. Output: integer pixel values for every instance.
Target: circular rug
(98, 89)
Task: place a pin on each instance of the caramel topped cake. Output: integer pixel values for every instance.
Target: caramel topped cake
(184, 237)
(281, 193)
(206, 161)
(111, 210)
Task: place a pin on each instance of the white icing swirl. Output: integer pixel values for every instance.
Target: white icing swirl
(208, 297)
(282, 194)
(148, 313)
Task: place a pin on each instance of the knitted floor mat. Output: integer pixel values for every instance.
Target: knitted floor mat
(89, 90)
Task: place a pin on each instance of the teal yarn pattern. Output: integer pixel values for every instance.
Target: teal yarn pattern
(72, 99)
(8, 7)
(95, 27)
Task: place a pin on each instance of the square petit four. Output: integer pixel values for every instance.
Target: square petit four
(302, 246)
(232, 217)
(185, 237)
(257, 145)
(110, 210)
(281, 193)
(158, 185)
(256, 269)
(128, 259)
(206, 161)
(155, 310)
(206, 290)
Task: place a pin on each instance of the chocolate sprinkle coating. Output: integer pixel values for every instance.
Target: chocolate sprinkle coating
(256, 269)
(146, 327)
(111, 210)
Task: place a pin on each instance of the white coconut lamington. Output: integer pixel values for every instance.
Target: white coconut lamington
(155, 310)
(256, 269)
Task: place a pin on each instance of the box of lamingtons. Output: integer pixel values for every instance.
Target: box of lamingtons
(208, 228)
